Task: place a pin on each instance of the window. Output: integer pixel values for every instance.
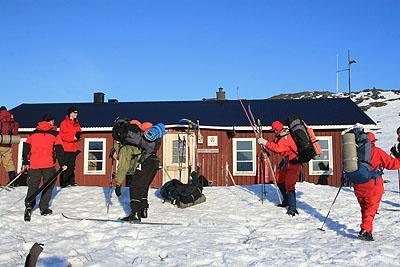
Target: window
(95, 154)
(323, 164)
(178, 151)
(244, 156)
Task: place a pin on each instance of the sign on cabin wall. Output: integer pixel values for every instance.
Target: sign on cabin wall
(212, 140)
(208, 150)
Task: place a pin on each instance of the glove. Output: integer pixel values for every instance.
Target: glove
(78, 135)
(393, 150)
(262, 141)
(118, 190)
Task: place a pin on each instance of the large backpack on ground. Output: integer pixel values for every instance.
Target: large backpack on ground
(358, 172)
(183, 195)
(304, 137)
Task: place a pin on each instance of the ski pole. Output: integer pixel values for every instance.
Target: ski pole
(398, 176)
(44, 186)
(16, 177)
(50, 181)
(110, 185)
(326, 217)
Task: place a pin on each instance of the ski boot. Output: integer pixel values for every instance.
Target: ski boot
(282, 189)
(28, 213)
(11, 176)
(364, 235)
(46, 212)
(134, 217)
(143, 213)
(291, 199)
(292, 211)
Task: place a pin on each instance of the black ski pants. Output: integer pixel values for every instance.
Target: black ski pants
(34, 179)
(140, 183)
(67, 177)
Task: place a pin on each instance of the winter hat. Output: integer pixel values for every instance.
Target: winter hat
(371, 137)
(277, 126)
(146, 125)
(155, 132)
(47, 117)
(3, 108)
(72, 109)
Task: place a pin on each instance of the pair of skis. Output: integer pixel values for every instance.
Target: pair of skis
(119, 220)
(257, 129)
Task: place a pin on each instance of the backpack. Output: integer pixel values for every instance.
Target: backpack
(364, 153)
(122, 129)
(304, 137)
(183, 195)
(8, 126)
(130, 134)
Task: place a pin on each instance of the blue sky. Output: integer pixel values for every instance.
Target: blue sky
(63, 51)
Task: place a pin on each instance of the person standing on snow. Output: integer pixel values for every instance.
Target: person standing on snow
(147, 140)
(396, 150)
(39, 153)
(149, 143)
(8, 126)
(369, 194)
(289, 167)
(70, 133)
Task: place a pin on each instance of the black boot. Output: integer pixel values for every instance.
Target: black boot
(46, 212)
(11, 176)
(28, 213)
(291, 196)
(282, 189)
(134, 217)
(143, 213)
(364, 235)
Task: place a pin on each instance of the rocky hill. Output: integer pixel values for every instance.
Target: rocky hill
(365, 99)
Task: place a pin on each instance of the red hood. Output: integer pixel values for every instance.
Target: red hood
(45, 126)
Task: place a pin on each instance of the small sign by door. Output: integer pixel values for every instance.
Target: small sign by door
(212, 140)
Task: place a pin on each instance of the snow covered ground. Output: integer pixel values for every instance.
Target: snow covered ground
(232, 228)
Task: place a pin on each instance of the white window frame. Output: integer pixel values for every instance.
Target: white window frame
(86, 171)
(234, 164)
(330, 149)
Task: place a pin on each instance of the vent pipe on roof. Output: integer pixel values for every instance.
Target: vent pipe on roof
(112, 101)
(98, 98)
(221, 94)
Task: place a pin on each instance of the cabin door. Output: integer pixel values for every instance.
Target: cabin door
(176, 157)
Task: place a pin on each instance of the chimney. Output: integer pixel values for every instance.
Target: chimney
(221, 94)
(112, 101)
(98, 98)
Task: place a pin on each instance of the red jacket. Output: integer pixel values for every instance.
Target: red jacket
(42, 146)
(68, 130)
(283, 145)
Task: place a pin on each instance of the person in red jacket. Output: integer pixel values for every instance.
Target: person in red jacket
(39, 153)
(70, 133)
(289, 167)
(369, 194)
(8, 126)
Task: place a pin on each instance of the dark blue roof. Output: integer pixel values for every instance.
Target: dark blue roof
(328, 111)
